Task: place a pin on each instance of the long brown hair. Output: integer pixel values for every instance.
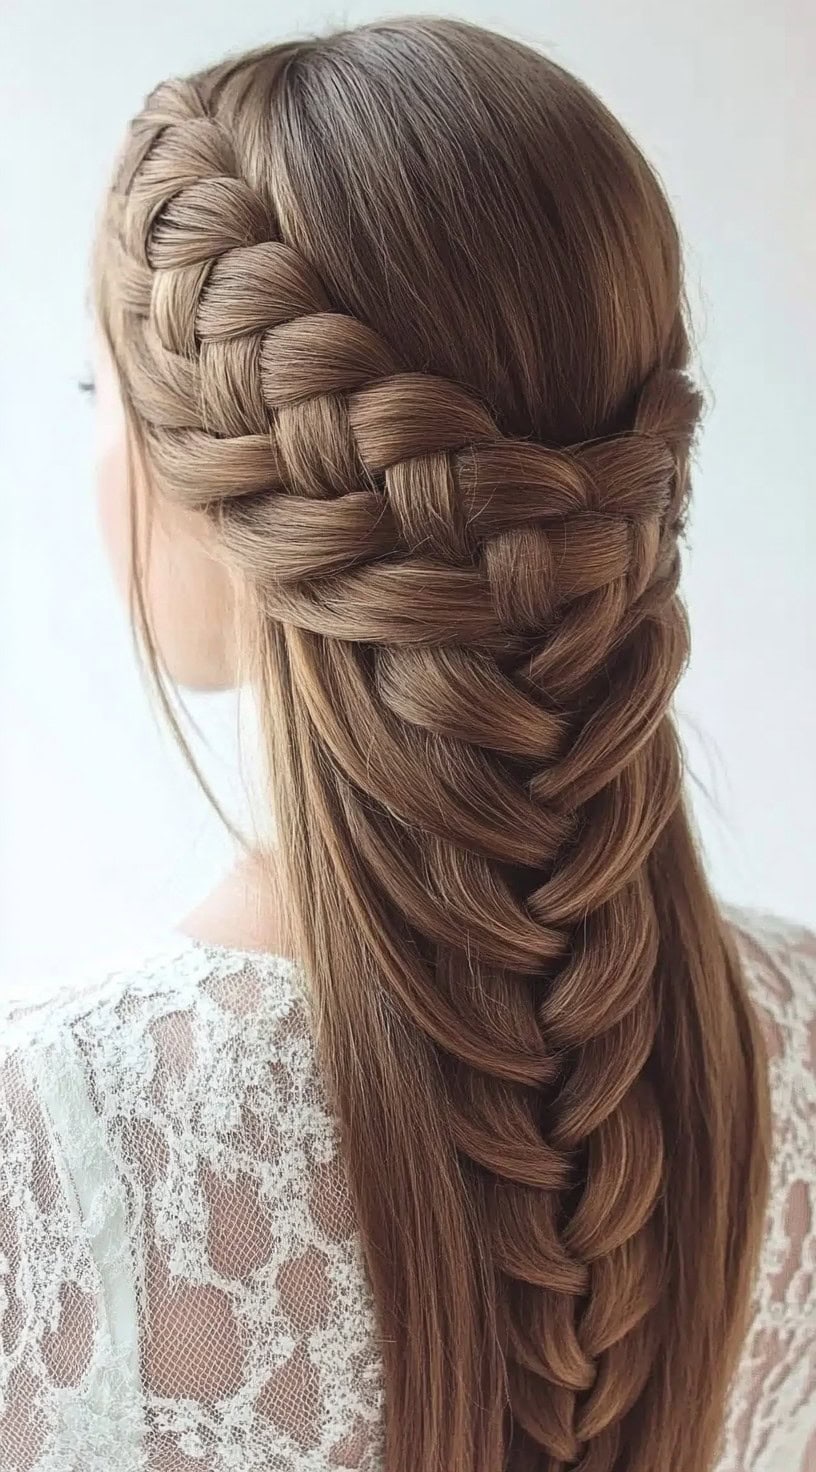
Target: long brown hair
(401, 311)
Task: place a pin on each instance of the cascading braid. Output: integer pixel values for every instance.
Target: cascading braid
(479, 637)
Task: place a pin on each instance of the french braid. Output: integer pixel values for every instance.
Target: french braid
(479, 636)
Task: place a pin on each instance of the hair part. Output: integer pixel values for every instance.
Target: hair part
(401, 310)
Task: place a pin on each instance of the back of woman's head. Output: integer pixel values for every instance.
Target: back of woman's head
(400, 312)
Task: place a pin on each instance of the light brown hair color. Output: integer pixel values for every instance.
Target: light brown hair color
(400, 310)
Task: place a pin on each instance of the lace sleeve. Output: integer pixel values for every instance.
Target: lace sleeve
(772, 1419)
(181, 1283)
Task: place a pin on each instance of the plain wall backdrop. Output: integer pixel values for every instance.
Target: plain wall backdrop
(105, 839)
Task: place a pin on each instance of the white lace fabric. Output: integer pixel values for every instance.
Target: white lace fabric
(181, 1283)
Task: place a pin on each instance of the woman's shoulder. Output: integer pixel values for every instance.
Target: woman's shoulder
(778, 961)
(778, 958)
(775, 935)
(779, 965)
(172, 1033)
(178, 977)
(184, 995)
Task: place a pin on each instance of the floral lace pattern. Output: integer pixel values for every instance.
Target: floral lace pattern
(181, 1285)
(771, 1425)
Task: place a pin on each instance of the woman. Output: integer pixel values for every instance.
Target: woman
(393, 362)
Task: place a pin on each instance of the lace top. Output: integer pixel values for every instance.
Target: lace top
(181, 1286)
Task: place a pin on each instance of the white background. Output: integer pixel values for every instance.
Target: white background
(104, 837)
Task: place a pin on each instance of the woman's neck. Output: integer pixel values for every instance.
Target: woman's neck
(245, 911)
